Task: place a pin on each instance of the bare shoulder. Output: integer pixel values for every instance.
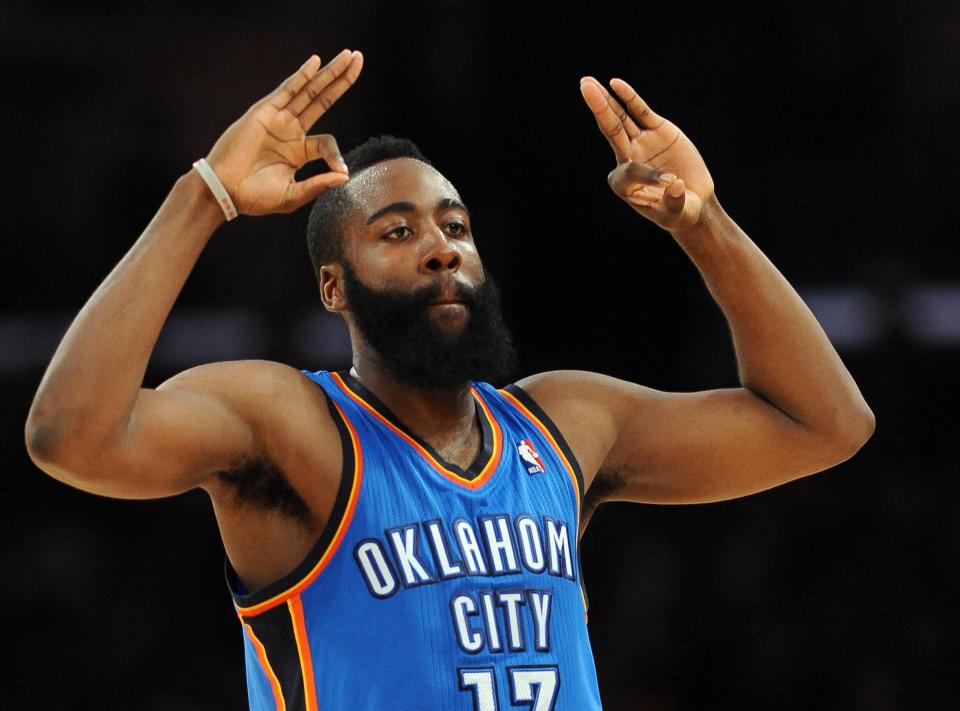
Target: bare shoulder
(236, 378)
(584, 393)
(582, 405)
(256, 389)
(287, 410)
(574, 385)
(273, 500)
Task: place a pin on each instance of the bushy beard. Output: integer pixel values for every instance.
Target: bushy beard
(399, 327)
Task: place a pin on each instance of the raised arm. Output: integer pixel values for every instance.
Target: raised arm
(91, 424)
(798, 411)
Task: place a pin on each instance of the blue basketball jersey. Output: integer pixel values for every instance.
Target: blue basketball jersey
(432, 587)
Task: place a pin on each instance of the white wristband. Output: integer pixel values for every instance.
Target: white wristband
(216, 187)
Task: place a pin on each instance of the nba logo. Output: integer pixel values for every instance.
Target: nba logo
(530, 457)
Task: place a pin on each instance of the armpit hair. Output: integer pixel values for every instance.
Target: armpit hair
(260, 483)
(605, 484)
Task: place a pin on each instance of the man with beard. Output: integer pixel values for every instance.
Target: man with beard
(405, 534)
(415, 349)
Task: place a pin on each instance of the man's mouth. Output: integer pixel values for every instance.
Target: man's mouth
(451, 294)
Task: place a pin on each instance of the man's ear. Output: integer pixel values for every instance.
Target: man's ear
(330, 280)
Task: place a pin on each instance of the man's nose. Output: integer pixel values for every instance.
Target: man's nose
(441, 253)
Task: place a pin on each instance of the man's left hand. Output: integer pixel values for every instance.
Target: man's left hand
(659, 171)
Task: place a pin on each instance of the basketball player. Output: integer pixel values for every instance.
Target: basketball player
(405, 535)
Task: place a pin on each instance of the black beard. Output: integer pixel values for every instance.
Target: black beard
(398, 325)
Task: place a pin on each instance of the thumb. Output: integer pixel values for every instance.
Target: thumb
(624, 178)
(674, 197)
(302, 192)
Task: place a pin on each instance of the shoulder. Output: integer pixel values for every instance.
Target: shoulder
(263, 376)
(583, 406)
(592, 394)
(246, 383)
(277, 400)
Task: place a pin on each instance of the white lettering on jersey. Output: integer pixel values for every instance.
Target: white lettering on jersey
(531, 544)
(510, 601)
(489, 546)
(406, 549)
(441, 552)
(490, 622)
(375, 568)
(469, 548)
(463, 606)
(558, 544)
(500, 546)
(540, 611)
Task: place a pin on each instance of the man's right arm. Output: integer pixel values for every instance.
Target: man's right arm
(90, 409)
(91, 424)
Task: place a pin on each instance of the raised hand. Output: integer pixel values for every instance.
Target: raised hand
(257, 156)
(659, 171)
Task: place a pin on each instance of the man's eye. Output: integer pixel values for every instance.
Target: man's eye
(459, 228)
(395, 234)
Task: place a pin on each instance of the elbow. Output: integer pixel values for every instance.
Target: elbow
(43, 431)
(63, 445)
(42, 442)
(857, 429)
(870, 423)
(45, 447)
(867, 424)
(56, 454)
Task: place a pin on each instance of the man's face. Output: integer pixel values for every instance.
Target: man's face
(414, 285)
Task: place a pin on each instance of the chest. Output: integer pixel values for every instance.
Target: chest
(432, 520)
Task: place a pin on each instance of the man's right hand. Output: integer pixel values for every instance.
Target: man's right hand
(257, 156)
(94, 426)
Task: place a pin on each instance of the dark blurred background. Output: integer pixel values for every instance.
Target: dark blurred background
(830, 132)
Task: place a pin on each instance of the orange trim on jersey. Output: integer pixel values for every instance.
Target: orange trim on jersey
(472, 484)
(556, 447)
(303, 651)
(546, 433)
(337, 537)
(268, 670)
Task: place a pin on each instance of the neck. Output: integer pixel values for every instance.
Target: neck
(427, 411)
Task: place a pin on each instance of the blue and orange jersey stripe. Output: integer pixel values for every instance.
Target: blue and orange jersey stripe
(303, 652)
(335, 542)
(545, 431)
(267, 669)
(553, 442)
(472, 484)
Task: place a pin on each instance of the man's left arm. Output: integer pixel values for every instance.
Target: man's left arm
(798, 411)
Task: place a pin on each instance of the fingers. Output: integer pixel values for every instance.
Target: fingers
(332, 91)
(633, 131)
(329, 85)
(663, 205)
(310, 91)
(325, 146)
(674, 196)
(609, 123)
(300, 193)
(643, 186)
(317, 146)
(637, 107)
(632, 177)
(317, 82)
(282, 95)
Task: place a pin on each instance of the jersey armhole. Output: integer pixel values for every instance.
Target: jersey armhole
(528, 402)
(340, 516)
(524, 397)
